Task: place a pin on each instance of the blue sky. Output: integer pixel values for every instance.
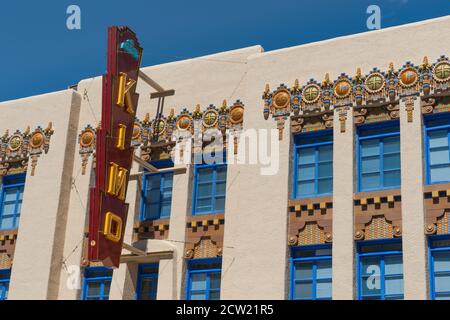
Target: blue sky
(39, 54)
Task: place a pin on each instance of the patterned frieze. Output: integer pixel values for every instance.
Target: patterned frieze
(374, 96)
(437, 208)
(18, 148)
(156, 138)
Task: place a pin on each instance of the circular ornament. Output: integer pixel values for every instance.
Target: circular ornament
(281, 99)
(342, 89)
(374, 83)
(237, 115)
(184, 123)
(210, 118)
(159, 126)
(137, 131)
(15, 142)
(311, 93)
(87, 138)
(441, 71)
(408, 77)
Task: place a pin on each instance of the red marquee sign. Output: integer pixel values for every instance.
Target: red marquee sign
(114, 154)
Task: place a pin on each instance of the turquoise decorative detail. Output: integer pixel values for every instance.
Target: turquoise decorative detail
(128, 47)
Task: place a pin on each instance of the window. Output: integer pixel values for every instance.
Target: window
(311, 273)
(204, 278)
(209, 188)
(313, 165)
(379, 156)
(439, 260)
(380, 270)
(147, 282)
(437, 153)
(4, 283)
(97, 282)
(11, 195)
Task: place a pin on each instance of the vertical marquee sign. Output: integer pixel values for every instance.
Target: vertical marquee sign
(114, 154)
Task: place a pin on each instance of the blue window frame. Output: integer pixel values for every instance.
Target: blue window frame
(11, 195)
(311, 273)
(379, 156)
(97, 283)
(313, 165)
(210, 182)
(203, 279)
(437, 148)
(380, 270)
(147, 285)
(5, 275)
(439, 266)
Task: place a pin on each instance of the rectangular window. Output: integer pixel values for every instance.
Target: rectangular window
(379, 156)
(97, 282)
(439, 248)
(11, 195)
(313, 165)
(147, 282)
(437, 144)
(210, 182)
(311, 273)
(4, 283)
(204, 277)
(157, 196)
(380, 270)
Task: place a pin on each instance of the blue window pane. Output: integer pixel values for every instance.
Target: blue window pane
(370, 181)
(370, 148)
(325, 186)
(198, 296)
(326, 153)
(442, 282)
(205, 175)
(306, 188)
(441, 261)
(304, 290)
(221, 173)
(219, 203)
(324, 269)
(391, 161)
(198, 281)
(215, 280)
(391, 145)
(214, 295)
(304, 270)
(210, 189)
(370, 165)
(325, 170)
(439, 156)
(394, 285)
(221, 188)
(442, 296)
(306, 172)
(10, 195)
(147, 283)
(440, 174)
(307, 156)
(323, 289)
(392, 178)
(205, 190)
(393, 265)
(438, 138)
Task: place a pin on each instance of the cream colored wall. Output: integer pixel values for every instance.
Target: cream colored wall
(255, 248)
(413, 207)
(343, 259)
(38, 255)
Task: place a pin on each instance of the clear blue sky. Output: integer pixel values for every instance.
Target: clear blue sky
(39, 54)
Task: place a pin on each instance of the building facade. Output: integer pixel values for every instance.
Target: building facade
(354, 205)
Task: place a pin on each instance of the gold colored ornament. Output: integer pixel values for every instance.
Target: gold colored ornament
(311, 93)
(159, 126)
(408, 77)
(87, 138)
(184, 122)
(375, 83)
(210, 118)
(342, 89)
(441, 71)
(281, 99)
(237, 115)
(15, 142)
